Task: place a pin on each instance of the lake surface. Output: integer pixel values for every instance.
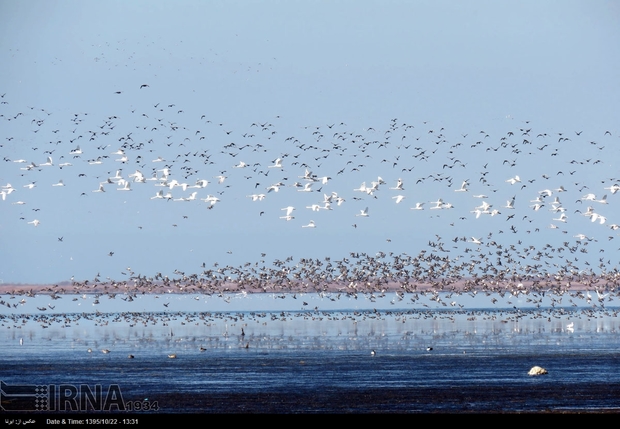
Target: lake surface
(314, 361)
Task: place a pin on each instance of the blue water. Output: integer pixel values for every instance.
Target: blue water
(320, 361)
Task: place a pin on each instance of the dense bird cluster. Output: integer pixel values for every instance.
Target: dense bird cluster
(526, 206)
(243, 319)
(494, 270)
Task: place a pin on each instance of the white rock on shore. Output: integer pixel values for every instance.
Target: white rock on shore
(536, 370)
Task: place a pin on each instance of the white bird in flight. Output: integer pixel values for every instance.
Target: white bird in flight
(510, 204)
(126, 186)
(209, 199)
(289, 210)
(463, 187)
(100, 188)
(192, 197)
(603, 200)
(399, 185)
(306, 188)
(514, 180)
(483, 207)
(438, 204)
(362, 187)
(118, 176)
(48, 162)
(582, 237)
(600, 295)
(363, 213)
(307, 175)
(562, 218)
(277, 164)
(601, 219)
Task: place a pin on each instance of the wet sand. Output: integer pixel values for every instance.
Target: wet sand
(441, 400)
(403, 400)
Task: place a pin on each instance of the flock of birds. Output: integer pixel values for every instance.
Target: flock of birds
(228, 329)
(511, 188)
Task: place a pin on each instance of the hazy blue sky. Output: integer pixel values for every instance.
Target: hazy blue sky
(433, 93)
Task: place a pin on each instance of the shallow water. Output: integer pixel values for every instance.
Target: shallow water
(320, 361)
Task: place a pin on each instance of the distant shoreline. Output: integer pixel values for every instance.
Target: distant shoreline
(444, 285)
